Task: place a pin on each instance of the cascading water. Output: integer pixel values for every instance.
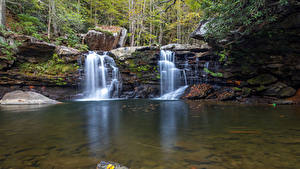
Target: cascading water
(101, 77)
(171, 78)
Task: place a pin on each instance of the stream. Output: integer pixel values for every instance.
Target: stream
(150, 134)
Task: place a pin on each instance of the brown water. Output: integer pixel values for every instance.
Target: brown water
(148, 134)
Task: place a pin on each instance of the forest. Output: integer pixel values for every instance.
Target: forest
(148, 21)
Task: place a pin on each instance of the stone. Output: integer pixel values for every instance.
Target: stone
(226, 94)
(284, 102)
(35, 50)
(275, 66)
(287, 92)
(105, 38)
(200, 91)
(106, 165)
(201, 30)
(274, 89)
(263, 79)
(125, 52)
(66, 51)
(19, 97)
(227, 75)
(185, 47)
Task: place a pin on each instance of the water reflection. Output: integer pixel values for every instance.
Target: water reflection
(173, 117)
(102, 124)
(22, 108)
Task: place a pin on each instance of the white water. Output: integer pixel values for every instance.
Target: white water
(171, 78)
(101, 77)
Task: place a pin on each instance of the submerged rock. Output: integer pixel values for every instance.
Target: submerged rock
(110, 165)
(20, 97)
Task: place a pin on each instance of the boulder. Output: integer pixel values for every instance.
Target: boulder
(226, 94)
(26, 98)
(287, 92)
(201, 30)
(66, 51)
(263, 79)
(105, 38)
(200, 91)
(279, 90)
(274, 89)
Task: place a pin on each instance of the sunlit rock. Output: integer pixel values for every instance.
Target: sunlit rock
(26, 98)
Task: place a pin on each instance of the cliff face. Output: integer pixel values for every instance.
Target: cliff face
(266, 60)
(38, 66)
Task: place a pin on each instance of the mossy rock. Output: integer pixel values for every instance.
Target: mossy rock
(263, 79)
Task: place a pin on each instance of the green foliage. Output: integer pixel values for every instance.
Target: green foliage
(226, 17)
(28, 25)
(55, 66)
(7, 50)
(213, 73)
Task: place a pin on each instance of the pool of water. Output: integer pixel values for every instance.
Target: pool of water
(150, 134)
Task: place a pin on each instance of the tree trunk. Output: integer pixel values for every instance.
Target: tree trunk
(2, 12)
(160, 31)
(55, 32)
(151, 13)
(49, 21)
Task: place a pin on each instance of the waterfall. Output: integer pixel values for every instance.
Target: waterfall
(171, 78)
(101, 77)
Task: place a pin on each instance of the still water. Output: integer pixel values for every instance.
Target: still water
(149, 134)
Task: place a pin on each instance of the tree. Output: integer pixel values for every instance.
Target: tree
(2, 12)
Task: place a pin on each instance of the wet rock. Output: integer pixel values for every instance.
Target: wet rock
(287, 92)
(284, 102)
(274, 89)
(263, 79)
(145, 91)
(275, 66)
(19, 97)
(226, 94)
(106, 165)
(105, 38)
(227, 75)
(200, 91)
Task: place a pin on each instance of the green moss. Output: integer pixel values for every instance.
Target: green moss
(237, 89)
(260, 88)
(213, 73)
(55, 66)
(263, 79)
(103, 31)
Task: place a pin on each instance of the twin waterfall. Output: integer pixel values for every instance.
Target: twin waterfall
(171, 78)
(102, 77)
